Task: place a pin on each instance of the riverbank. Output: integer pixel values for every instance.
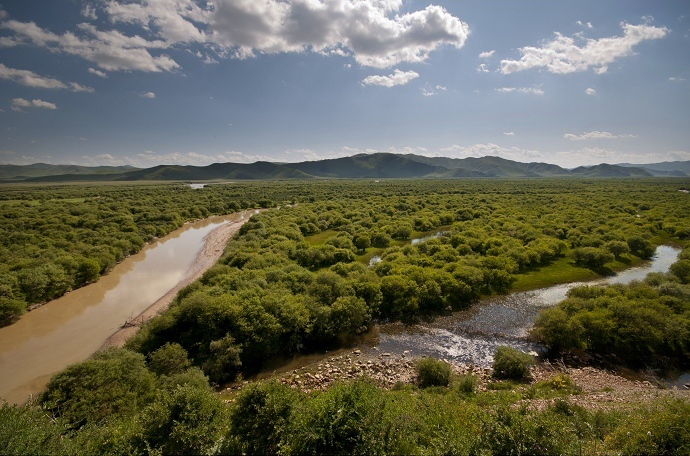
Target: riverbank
(594, 388)
(214, 244)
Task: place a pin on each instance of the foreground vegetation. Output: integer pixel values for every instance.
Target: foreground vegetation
(175, 413)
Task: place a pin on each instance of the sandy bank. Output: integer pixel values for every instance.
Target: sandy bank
(214, 245)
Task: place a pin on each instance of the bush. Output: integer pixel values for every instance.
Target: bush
(432, 372)
(260, 416)
(466, 384)
(511, 364)
(114, 383)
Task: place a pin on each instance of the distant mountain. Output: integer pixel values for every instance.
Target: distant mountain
(23, 172)
(216, 171)
(675, 168)
(376, 165)
(490, 166)
(605, 170)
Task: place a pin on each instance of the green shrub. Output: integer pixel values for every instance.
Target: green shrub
(432, 372)
(259, 418)
(662, 429)
(511, 364)
(29, 430)
(345, 419)
(114, 383)
(466, 384)
(169, 360)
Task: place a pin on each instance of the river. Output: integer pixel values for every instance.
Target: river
(472, 336)
(73, 327)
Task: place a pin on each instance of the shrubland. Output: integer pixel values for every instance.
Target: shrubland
(298, 279)
(642, 323)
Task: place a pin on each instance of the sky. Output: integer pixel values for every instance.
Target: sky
(148, 82)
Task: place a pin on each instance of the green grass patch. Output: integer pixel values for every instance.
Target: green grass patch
(319, 239)
(564, 270)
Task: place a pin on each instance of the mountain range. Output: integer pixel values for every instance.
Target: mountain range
(376, 165)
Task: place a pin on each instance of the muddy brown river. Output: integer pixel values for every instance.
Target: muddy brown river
(73, 327)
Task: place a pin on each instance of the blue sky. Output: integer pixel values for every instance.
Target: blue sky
(113, 82)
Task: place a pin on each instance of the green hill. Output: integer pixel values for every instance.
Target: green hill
(377, 165)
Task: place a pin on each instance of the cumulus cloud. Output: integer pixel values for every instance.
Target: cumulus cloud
(487, 54)
(491, 149)
(531, 90)
(582, 24)
(509, 133)
(150, 95)
(19, 103)
(367, 28)
(676, 79)
(396, 78)
(563, 55)
(373, 32)
(595, 135)
(97, 73)
(482, 68)
(590, 91)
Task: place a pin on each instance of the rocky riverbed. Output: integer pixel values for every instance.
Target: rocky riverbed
(600, 388)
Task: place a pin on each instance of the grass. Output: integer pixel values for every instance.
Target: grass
(319, 239)
(564, 270)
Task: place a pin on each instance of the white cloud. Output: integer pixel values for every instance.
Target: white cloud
(89, 12)
(535, 91)
(590, 91)
(396, 78)
(29, 78)
(595, 155)
(97, 73)
(104, 157)
(76, 87)
(482, 68)
(427, 92)
(509, 133)
(373, 32)
(19, 103)
(367, 28)
(111, 50)
(563, 55)
(595, 135)
(588, 24)
(676, 79)
(487, 54)
(491, 149)
(150, 95)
